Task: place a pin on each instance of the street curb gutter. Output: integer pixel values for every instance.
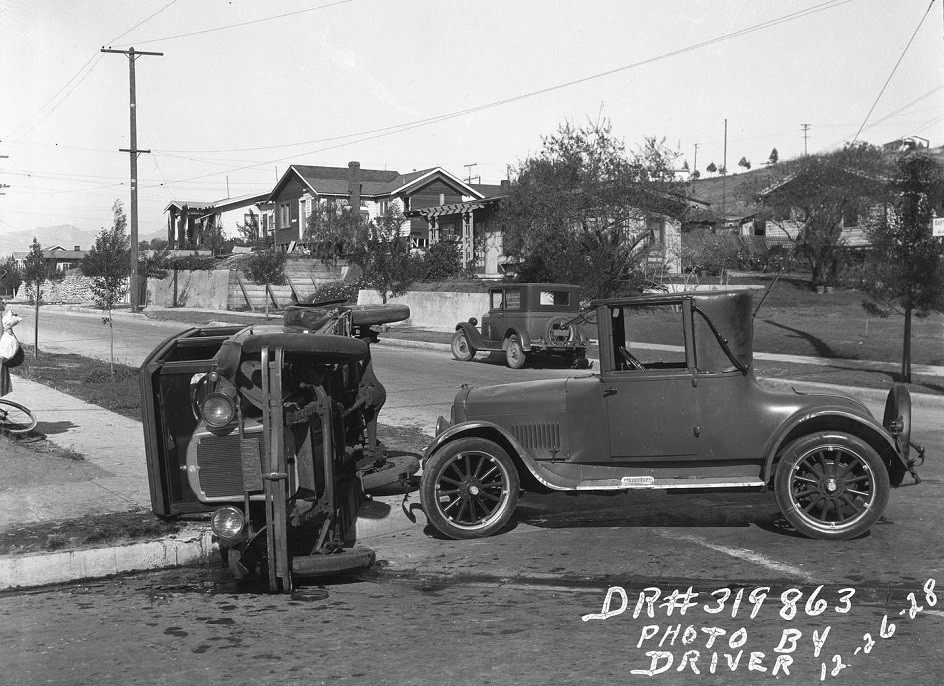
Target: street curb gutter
(193, 545)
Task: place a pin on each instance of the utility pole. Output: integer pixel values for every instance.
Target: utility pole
(133, 153)
(469, 172)
(724, 168)
(806, 132)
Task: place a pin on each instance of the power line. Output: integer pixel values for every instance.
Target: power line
(245, 23)
(894, 69)
(396, 128)
(400, 128)
(96, 57)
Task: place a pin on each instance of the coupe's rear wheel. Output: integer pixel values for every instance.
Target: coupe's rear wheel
(515, 355)
(461, 350)
(469, 488)
(831, 485)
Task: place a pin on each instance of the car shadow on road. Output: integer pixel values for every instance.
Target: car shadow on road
(656, 510)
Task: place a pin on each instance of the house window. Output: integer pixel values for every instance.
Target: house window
(284, 216)
(383, 206)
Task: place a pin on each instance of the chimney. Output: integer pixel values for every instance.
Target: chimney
(505, 186)
(354, 186)
(78, 248)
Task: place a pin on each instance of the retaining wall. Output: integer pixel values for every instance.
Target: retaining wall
(434, 310)
(205, 290)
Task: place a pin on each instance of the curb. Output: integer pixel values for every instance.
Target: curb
(193, 545)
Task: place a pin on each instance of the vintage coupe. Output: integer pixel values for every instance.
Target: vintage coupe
(524, 320)
(683, 411)
(272, 428)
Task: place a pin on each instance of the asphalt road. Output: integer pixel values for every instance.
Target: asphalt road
(512, 608)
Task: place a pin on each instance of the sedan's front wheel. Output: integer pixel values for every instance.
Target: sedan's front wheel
(831, 485)
(469, 488)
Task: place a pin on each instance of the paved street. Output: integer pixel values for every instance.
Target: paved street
(511, 608)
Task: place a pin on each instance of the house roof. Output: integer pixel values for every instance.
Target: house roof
(218, 205)
(374, 182)
(54, 253)
(731, 197)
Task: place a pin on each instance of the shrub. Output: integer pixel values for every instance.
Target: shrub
(335, 290)
(441, 261)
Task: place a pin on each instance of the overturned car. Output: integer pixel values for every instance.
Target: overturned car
(675, 406)
(273, 429)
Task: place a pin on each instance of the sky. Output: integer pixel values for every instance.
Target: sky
(246, 88)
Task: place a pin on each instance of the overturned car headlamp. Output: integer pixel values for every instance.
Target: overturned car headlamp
(228, 522)
(218, 409)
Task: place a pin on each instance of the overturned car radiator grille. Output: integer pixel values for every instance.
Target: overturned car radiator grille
(538, 436)
(220, 462)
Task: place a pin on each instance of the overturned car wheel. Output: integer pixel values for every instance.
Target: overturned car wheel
(831, 485)
(469, 488)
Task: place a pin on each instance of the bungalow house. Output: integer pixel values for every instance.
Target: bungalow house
(476, 226)
(189, 221)
(370, 190)
(63, 260)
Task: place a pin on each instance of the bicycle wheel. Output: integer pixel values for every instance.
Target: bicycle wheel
(15, 419)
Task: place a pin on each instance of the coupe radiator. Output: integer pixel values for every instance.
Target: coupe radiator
(220, 463)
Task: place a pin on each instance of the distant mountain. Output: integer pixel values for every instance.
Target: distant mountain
(66, 235)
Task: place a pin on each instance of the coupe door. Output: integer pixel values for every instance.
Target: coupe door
(647, 385)
(650, 415)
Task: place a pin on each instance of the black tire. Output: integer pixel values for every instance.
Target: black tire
(831, 485)
(15, 419)
(469, 488)
(897, 418)
(461, 349)
(559, 331)
(352, 560)
(515, 356)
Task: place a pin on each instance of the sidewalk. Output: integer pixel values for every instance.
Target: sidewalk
(115, 444)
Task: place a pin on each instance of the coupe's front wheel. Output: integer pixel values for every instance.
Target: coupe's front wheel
(831, 485)
(469, 488)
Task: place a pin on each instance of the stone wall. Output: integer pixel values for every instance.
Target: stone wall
(72, 290)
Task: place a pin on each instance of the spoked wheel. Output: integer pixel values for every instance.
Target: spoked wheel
(469, 488)
(15, 419)
(831, 485)
(515, 355)
(461, 350)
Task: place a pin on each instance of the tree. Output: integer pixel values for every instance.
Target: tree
(441, 261)
(251, 233)
(331, 229)
(266, 268)
(744, 162)
(383, 253)
(712, 167)
(816, 195)
(37, 271)
(774, 157)
(576, 211)
(108, 263)
(906, 261)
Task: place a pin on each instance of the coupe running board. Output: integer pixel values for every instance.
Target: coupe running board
(633, 483)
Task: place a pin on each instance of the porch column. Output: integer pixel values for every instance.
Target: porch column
(468, 247)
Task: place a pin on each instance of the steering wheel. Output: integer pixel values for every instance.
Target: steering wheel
(630, 359)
